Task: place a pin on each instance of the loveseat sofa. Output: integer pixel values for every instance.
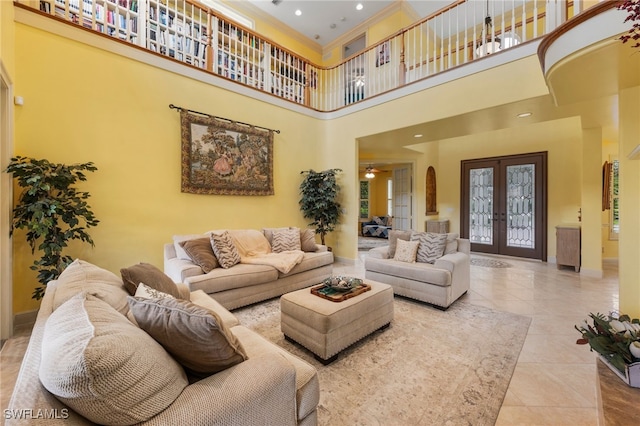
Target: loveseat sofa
(88, 361)
(378, 226)
(439, 283)
(259, 274)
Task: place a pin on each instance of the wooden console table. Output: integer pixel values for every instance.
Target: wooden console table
(618, 403)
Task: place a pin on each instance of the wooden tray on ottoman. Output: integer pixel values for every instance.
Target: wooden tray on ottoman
(328, 293)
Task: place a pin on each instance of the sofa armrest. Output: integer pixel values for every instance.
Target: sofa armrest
(379, 252)
(260, 390)
(464, 246)
(320, 247)
(459, 265)
(451, 261)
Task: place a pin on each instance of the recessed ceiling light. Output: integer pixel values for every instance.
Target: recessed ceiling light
(359, 6)
(417, 135)
(525, 114)
(298, 12)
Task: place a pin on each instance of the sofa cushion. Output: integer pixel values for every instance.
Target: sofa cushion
(394, 235)
(452, 243)
(224, 249)
(307, 387)
(147, 292)
(308, 240)
(201, 253)
(241, 275)
(268, 233)
(311, 261)
(103, 367)
(286, 240)
(406, 251)
(421, 272)
(431, 246)
(82, 276)
(249, 242)
(177, 239)
(195, 336)
(150, 275)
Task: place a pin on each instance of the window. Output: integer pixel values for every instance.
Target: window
(389, 197)
(364, 199)
(614, 212)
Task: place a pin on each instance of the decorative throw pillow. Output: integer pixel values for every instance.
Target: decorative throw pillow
(150, 275)
(268, 233)
(406, 251)
(147, 292)
(83, 276)
(195, 336)
(286, 240)
(379, 220)
(224, 249)
(452, 243)
(105, 368)
(308, 240)
(201, 253)
(394, 236)
(177, 239)
(431, 246)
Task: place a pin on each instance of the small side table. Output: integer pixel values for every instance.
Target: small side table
(437, 226)
(568, 245)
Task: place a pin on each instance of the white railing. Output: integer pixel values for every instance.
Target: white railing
(189, 32)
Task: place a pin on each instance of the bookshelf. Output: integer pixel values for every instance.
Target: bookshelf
(178, 29)
(189, 32)
(287, 75)
(117, 18)
(240, 55)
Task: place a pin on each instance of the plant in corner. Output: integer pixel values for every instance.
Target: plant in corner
(318, 201)
(52, 212)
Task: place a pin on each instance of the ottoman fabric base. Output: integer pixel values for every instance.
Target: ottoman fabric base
(325, 327)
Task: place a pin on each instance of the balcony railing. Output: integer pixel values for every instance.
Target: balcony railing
(193, 34)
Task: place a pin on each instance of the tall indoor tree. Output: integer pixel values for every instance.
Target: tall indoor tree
(52, 211)
(318, 200)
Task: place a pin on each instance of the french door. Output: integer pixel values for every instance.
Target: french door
(402, 198)
(503, 206)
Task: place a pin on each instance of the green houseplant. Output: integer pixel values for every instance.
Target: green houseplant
(52, 211)
(318, 200)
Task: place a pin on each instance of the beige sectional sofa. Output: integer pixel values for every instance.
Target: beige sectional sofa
(132, 379)
(246, 283)
(439, 284)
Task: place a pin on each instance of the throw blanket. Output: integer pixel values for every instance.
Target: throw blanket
(254, 248)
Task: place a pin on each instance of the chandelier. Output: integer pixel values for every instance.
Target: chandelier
(489, 44)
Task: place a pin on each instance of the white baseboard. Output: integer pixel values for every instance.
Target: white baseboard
(592, 273)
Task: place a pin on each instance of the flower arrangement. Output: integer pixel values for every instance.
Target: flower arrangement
(615, 337)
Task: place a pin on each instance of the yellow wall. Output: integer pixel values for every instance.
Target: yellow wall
(84, 104)
(564, 177)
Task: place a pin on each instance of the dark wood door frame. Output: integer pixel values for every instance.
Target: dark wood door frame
(499, 224)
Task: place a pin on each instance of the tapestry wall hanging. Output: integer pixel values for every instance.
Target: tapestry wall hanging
(225, 158)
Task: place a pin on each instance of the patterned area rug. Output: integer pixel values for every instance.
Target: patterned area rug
(367, 243)
(428, 368)
(489, 263)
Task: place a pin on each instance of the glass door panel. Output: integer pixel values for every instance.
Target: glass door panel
(481, 206)
(521, 206)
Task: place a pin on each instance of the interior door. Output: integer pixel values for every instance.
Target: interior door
(504, 205)
(402, 198)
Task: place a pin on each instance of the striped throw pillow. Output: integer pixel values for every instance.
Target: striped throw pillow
(285, 240)
(431, 246)
(224, 249)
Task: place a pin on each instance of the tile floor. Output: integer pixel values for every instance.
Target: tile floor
(554, 382)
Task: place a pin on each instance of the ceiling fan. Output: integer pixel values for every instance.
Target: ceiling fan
(370, 172)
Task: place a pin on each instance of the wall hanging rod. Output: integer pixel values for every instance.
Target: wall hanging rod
(172, 106)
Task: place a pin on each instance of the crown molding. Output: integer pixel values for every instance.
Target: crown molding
(254, 12)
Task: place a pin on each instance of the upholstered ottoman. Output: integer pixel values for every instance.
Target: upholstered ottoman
(326, 327)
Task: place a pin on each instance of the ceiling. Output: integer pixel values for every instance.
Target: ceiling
(323, 21)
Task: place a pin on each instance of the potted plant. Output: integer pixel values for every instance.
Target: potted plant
(52, 212)
(617, 339)
(318, 201)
